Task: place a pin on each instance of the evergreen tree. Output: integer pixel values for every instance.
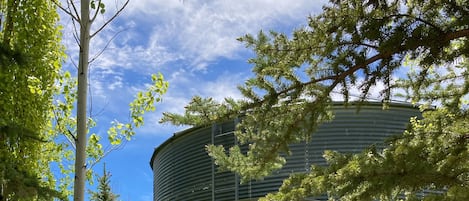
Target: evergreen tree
(355, 44)
(104, 188)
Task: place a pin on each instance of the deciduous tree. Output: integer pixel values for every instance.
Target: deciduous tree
(30, 58)
(354, 44)
(99, 144)
(88, 150)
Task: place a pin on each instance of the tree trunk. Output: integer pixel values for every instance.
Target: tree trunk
(12, 5)
(81, 139)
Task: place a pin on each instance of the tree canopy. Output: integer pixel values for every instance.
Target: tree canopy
(38, 132)
(30, 58)
(416, 49)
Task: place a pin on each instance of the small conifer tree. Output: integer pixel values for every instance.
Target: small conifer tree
(104, 192)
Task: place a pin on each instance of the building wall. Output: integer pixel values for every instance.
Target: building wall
(183, 171)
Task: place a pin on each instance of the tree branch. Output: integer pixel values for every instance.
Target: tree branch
(96, 12)
(105, 47)
(68, 12)
(68, 134)
(73, 139)
(343, 43)
(417, 19)
(337, 78)
(107, 152)
(456, 34)
(75, 10)
(75, 33)
(111, 19)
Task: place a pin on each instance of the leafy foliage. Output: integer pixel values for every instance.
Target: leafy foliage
(88, 147)
(354, 44)
(37, 100)
(99, 145)
(30, 57)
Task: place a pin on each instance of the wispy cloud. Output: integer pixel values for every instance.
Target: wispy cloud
(152, 36)
(180, 93)
(202, 31)
(185, 40)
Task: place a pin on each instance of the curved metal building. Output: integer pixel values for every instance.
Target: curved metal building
(182, 170)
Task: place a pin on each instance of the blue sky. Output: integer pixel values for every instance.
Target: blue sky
(193, 44)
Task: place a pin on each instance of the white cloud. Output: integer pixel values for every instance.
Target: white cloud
(203, 31)
(180, 93)
(150, 35)
(183, 39)
(116, 84)
(224, 86)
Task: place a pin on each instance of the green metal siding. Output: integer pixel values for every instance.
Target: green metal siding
(183, 170)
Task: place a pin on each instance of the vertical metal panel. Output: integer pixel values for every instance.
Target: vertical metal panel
(224, 185)
(237, 180)
(212, 141)
(183, 170)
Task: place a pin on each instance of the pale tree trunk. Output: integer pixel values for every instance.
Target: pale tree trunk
(85, 22)
(81, 138)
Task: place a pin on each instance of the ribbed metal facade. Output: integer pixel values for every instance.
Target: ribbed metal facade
(183, 171)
